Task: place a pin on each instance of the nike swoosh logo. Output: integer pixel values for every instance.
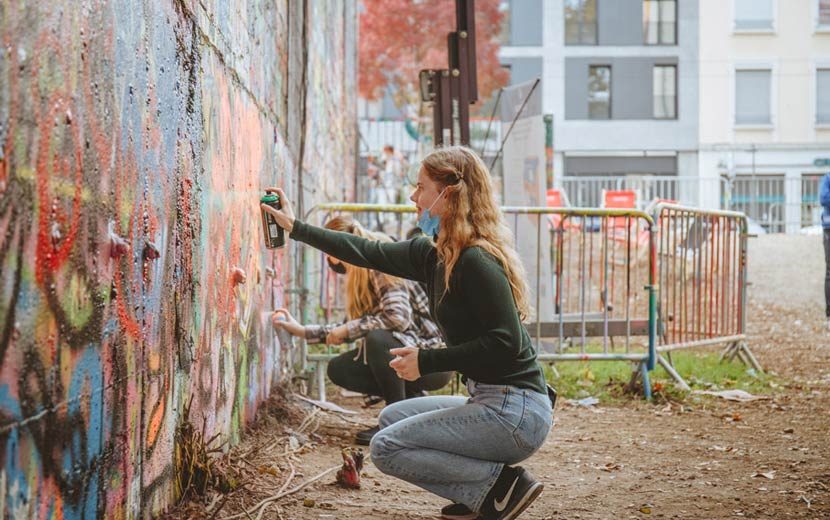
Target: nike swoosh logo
(501, 504)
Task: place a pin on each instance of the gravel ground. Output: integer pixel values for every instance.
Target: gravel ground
(787, 270)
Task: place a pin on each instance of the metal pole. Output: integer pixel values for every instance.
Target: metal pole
(513, 123)
(538, 282)
(673, 373)
(490, 122)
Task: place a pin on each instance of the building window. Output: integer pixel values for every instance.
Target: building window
(665, 91)
(752, 97)
(599, 92)
(660, 22)
(823, 17)
(580, 22)
(823, 96)
(753, 15)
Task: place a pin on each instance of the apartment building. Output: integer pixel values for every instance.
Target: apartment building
(620, 79)
(765, 106)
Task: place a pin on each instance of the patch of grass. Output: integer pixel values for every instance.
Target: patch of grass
(705, 371)
(604, 380)
(609, 381)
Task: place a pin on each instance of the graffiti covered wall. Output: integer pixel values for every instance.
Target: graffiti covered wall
(135, 138)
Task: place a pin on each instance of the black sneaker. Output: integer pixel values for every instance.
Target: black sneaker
(365, 437)
(513, 492)
(458, 512)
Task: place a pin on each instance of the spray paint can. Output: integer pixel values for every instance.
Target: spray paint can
(274, 234)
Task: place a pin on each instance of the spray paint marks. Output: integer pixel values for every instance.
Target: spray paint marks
(133, 140)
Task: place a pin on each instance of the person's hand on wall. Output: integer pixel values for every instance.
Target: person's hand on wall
(337, 336)
(285, 216)
(405, 363)
(282, 319)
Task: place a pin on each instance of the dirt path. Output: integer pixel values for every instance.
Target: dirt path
(705, 458)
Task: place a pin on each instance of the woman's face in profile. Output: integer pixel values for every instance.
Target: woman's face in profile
(426, 193)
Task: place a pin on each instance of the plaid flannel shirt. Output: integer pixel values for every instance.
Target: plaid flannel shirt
(402, 309)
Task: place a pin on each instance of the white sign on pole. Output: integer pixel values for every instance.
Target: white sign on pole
(523, 166)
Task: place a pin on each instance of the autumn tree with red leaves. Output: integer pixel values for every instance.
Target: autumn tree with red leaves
(400, 37)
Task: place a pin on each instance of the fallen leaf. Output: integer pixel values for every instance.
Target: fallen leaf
(587, 374)
(646, 509)
(271, 470)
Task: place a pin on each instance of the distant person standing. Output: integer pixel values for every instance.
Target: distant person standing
(394, 165)
(825, 224)
(377, 191)
(385, 190)
(395, 168)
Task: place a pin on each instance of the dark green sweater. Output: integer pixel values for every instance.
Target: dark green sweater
(478, 317)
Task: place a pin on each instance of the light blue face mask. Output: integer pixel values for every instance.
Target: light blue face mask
(430, 224)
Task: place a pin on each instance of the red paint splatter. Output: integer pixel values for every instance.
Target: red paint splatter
(49, 257)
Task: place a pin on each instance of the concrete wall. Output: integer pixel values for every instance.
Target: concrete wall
(155, 125)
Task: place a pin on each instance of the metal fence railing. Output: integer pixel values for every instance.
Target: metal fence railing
(763, 198)
(584, 191)
(701, 273)
(777, 203)
(603, 284)
(592, 275)
(809, 204)
(607, 284)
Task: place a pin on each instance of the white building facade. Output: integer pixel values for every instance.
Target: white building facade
(765, 106)
(717, 103)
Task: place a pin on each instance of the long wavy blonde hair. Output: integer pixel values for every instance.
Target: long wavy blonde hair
(472, 217)
(361, 297)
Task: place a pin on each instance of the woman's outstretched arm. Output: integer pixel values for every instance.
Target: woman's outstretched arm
(406, 259)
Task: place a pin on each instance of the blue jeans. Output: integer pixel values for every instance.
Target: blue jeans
(456, 447)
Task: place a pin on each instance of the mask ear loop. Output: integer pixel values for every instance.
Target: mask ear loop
(434, 202)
